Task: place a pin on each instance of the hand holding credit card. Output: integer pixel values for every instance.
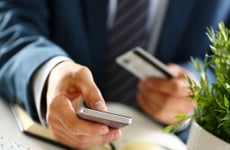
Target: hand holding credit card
(142, 64)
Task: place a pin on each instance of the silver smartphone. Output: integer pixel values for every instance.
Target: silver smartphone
(111, 119)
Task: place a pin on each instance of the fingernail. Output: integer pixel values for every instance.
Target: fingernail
(99, 105)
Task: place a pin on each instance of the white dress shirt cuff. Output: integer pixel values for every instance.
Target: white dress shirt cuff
(39, 80)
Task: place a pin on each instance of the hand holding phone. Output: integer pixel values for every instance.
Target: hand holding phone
(111, 119)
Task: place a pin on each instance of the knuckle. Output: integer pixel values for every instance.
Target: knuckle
(176, 86)
(82, 142)
(84, 69)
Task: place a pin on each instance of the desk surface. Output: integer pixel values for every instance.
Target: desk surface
(9, 129)
(142, 129)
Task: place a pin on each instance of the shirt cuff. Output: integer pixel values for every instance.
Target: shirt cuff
(38, 82)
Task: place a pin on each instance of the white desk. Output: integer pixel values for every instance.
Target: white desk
(9, 129)
(142, 129)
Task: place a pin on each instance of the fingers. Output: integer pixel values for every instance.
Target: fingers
(162, 98)
(158, 114)
(174, 86)
(90, 92)
(82, 141)
(68, 84)
(75, 132)
(62, 112)
(74, 80)
(164, 108)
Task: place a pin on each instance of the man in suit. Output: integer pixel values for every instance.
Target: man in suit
(53, 55)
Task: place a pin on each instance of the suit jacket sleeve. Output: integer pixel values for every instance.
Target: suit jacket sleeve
(23, 48)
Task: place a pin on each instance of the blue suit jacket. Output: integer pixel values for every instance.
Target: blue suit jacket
(33, 31)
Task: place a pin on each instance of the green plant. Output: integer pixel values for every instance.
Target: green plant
(212, 100)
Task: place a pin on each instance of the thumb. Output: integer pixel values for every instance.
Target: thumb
(93, 98)
(89, 90)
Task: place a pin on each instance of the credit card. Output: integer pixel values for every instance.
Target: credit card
(143, 65)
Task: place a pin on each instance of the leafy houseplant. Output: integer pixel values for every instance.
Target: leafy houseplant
(212, 100)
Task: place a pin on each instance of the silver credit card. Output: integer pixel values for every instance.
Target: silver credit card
(142, 64)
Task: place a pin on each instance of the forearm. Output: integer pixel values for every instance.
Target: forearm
(23, 48)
